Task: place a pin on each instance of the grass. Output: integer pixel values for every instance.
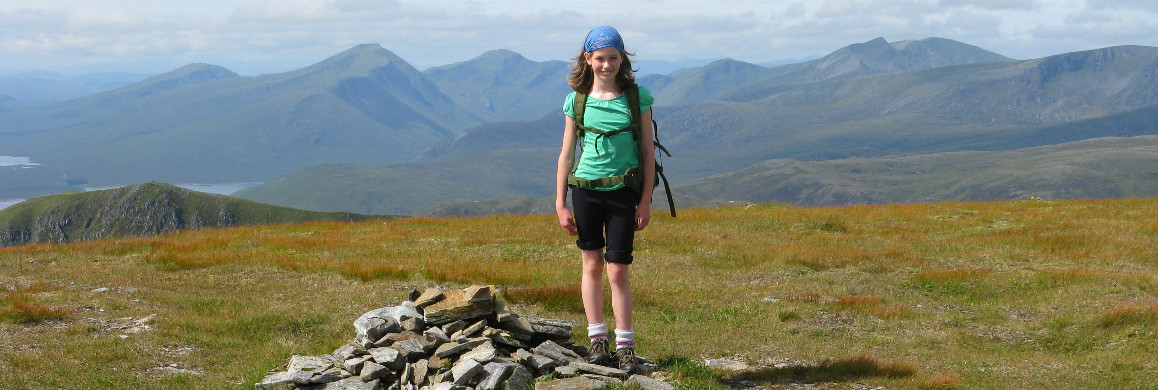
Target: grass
(995, 295)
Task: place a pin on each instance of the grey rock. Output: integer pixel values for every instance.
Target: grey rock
(411, 349)
(519, 325)
(454, 327)
(361, 342)
(327, 376)
(414, 324)
(448, 386)
(395, 313)
(552, 332)
(419, 370)
(549, 322)
(502, 312)
(458, 306)
(599, 370)
(373, 328)
(406, 377)
(455, 348)
(465, 370)
(429, 297)
(539, 363)
(519, 379)
(566, 371)
(307, 370)
(726, 364)
(388, 357)
(276, 381)
(436, 333)
(470, 330)
(346, 352)
(561, 356)
(479, 293)
(482, 353)
(312, 364)
(506, 339)
(372, 371)
(352, 384)
(577, 383)
(494, 373)
(647, 383)
(391, 338)
(428, 344)
(354, 365)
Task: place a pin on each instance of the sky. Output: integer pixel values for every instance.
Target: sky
(270, 36)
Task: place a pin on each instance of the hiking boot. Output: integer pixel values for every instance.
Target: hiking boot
(626, 358)
(597, 353)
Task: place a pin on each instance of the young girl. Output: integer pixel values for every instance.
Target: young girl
(603, 72)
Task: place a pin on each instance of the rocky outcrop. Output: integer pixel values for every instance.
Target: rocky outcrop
(456, 339)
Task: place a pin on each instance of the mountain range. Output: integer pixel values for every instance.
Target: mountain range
(364, 132)
(42, 88)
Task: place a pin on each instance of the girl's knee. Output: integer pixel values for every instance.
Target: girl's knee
(618, 274)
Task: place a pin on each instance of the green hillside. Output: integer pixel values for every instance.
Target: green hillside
(411, 188)
(1098, 168)
(139, 210)
(501, 85)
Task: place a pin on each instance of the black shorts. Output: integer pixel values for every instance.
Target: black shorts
(610, 212)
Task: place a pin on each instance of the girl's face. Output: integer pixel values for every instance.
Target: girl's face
(605, 62)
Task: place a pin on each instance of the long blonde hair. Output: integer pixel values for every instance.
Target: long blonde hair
(582, 76)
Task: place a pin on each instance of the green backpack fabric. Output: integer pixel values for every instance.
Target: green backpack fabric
(633, 178)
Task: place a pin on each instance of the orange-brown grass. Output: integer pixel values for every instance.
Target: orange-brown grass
(991, 295)
(1131, 314)
(18, 303)
(937, 381)
(564, 297)
(869, 304)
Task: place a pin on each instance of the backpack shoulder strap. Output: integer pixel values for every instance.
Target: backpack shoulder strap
(632, 93)
(577, 108)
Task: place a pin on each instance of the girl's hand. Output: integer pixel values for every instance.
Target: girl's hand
(642, 215)
(567, 221)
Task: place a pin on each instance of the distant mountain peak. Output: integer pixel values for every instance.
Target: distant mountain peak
(501, 54)
(358, 59)
(195, 72)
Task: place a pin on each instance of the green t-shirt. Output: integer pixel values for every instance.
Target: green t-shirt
(615, 154)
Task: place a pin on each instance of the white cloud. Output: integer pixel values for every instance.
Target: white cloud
(257, 36)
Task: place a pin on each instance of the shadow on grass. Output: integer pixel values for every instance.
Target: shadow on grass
(849, 369)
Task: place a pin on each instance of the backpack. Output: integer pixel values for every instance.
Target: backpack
(633, 178)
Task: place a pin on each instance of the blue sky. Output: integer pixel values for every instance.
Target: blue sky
(258, 36)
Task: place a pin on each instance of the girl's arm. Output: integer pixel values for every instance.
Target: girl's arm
(647, 162)
(562, 171)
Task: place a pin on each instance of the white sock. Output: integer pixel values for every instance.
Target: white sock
(595, 331)
(624, 338)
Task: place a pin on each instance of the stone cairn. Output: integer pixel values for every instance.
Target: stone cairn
(456, 340)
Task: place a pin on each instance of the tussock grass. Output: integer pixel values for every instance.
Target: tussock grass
(19, 304)
(1024, 294)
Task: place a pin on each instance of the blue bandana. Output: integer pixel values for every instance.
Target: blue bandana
(601, 37)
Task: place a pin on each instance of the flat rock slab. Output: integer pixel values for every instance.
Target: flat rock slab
(585, 382)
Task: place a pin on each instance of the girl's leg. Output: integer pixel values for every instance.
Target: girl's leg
(591, 285)
(621, 299)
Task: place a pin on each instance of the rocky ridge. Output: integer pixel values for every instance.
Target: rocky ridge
(456, 339)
